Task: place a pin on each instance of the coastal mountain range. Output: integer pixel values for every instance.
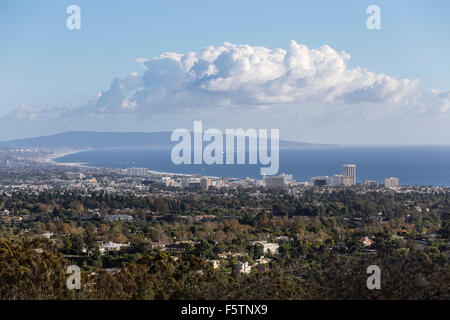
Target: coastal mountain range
(107, 140)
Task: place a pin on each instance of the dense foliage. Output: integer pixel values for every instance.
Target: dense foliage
(320, 254)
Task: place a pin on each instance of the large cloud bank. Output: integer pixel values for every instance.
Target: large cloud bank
(240, 75)
(300, 81)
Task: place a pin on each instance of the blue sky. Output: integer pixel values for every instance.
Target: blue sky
(43, 64)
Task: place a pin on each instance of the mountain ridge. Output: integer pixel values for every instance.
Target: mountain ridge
(101, 140)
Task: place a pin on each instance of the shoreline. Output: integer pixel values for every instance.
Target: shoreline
(51, 158)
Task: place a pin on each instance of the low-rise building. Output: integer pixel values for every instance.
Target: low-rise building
(366, 241)
(205, 183)
(75, 176)
(228, 254)
(47, 235)
(111, 246)
(370, 183)
(263, 260)
(321, 181)
(269, 247)
(119, 217)
(280, 181)
(215, 264)
(242, 267)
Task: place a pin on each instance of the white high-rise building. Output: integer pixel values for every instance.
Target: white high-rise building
(137, 172)
(391, 182)
(349, 170)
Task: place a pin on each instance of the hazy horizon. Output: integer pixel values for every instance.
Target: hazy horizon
(281, 138)
(320, 76)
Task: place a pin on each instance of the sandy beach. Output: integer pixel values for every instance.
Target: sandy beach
(50, 159)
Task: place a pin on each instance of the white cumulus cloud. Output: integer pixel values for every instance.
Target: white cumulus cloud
(298, 80)
(244, 75)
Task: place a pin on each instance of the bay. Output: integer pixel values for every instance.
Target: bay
(413, 165)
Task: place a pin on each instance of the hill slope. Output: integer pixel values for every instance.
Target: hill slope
(101, 140)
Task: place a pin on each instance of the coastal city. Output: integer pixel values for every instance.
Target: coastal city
(139, 180)
(107, 219)
(235, 159)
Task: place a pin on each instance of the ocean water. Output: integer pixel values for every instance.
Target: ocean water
(413, 165)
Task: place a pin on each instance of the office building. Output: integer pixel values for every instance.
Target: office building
(278, 181)
(336, 180)
(137, 172)
(205, 183)
(321, 181)
(5, 163)
(348, 181)
(349, 170)
(75, 176)
(370, 183)
(391, 182)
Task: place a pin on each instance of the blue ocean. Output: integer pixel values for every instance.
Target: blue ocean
(413, 165)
